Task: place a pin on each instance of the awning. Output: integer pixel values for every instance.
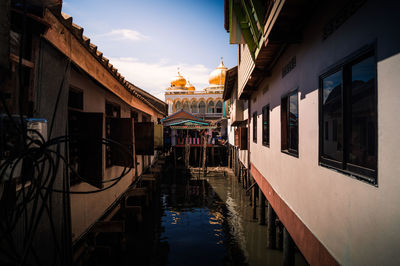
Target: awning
(239, 123)
(197, 127)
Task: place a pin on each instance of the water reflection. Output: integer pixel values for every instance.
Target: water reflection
(209, 222)
(194, 225)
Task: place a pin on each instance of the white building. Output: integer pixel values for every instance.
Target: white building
(320, 79)
(207, 103)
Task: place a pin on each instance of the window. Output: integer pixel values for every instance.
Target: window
(243, 138)
(194, 108)
(75, 99)
(112, 111)
(144, 138)
(265, 125)
(218, 107)
(85, 132)
(290, 124)
(255, 127)
(186, 106)
(348, 123)
(178, 106)
(210, 109)
(202, 107)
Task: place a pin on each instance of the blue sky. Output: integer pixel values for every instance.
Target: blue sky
(147, 40)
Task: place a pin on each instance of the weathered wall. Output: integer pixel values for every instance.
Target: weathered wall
(86, 209)
(52, 79)
(357, 222)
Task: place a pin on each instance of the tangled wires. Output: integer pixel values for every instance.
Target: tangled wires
(29, 177)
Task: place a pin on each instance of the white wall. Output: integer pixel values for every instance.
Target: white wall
(357, 222)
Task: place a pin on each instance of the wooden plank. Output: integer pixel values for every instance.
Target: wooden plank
(15, 59)
(148, 178)
(109, 227)
(136, 192)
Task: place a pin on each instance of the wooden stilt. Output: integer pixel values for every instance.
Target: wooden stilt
(279, 229)
(212, 156)
(255, 192)
(204, 153)
(229, 157)
(288, 249)
(262, 207)
(239, 176)
(271, 237)
(174, 151)
(195, 155)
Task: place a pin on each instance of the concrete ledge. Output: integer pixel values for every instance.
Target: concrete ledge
(312, 249)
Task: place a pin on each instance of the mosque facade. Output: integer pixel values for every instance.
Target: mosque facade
(206, 103)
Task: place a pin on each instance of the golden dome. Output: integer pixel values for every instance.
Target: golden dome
(190, 87)
(178, 81)
(217, 77)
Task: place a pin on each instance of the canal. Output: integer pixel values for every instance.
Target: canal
(208, 221)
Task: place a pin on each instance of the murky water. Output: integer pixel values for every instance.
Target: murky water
(208, 221)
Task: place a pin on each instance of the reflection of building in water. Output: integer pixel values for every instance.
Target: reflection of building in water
(206, 104)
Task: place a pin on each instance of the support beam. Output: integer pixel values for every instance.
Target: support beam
(288, 249)
(271, 237)
(254, 195)
(212, 156)
(262, 207)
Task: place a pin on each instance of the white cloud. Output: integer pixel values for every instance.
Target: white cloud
(156, 77)
(124, 34)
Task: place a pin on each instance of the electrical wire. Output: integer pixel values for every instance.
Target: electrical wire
(30, 178)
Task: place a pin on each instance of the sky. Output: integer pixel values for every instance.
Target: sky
(148, 40)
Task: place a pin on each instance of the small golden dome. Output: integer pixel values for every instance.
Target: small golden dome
(190, 87)
(217, 77)
(178, 81)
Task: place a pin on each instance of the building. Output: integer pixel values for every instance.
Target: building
(206, 104)
(89, 107)
(319, 81)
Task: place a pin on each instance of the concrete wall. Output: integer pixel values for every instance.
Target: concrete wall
(357, 222)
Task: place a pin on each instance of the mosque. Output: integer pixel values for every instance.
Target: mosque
(206, 104)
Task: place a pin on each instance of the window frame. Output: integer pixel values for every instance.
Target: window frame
(255, 127)
(108, 117)
(286, 96)
(358, 172)
(265, 140)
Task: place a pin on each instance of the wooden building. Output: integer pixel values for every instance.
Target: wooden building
(101, 124)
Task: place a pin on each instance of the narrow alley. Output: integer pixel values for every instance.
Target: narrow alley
(185, 133)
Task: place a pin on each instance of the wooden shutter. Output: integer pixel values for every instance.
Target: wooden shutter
(90, 148)
(243, 138)
(122, 132)
(236, 137)
(144, 138)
